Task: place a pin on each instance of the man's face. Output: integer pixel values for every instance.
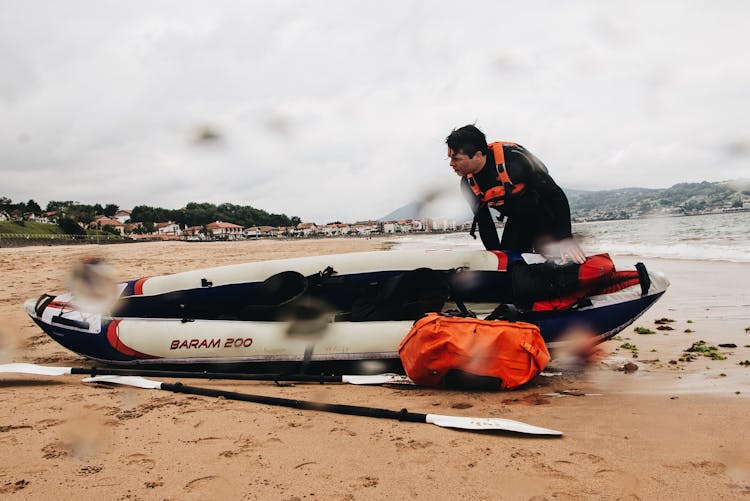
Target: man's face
(463, 164)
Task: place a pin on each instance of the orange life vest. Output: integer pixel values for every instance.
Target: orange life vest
(497, 195)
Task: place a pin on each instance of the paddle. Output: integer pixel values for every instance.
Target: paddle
(460, 422)
(43, 370)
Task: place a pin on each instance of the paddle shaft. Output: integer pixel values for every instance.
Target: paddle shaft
(351, 410)
(95, 371)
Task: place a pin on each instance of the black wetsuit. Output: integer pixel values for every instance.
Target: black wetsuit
(541, 213)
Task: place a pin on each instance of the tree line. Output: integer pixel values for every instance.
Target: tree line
(193, 214)
(200, 214)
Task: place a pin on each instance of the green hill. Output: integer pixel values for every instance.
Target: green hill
(681, 198)
(28, 228)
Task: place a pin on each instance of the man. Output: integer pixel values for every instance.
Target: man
(508, 178)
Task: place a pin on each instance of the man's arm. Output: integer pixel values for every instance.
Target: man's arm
(553, 201)
(487, 230)
(564, 246)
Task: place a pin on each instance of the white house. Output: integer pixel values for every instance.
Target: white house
(194, 233)
(39, 219)
(100, 222)
(269, 231)
(364, 229)
(167, 228)
(330, 230)
(442, 224)
(4, 216)
(225, 231)
(418, 225)
(307, 228)
(122, 215)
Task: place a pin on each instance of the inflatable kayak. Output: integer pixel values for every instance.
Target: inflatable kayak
(348, 307)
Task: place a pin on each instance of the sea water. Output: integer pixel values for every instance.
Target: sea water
(723, 237)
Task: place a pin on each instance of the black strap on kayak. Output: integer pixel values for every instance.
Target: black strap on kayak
(307, 358)
(321, 276)
(42, 303)
(504, 311)
(463, 310)
(643, 278)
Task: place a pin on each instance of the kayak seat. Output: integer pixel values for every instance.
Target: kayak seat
(407, 296)
(274, 296)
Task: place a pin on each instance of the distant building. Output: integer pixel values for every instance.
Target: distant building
(39, 219)
(131, 227)
(442, 224)
(194, 233)
(99, 223)
(122, 215)
(224, 231)
(268, 231)
(4, 216)
(306, 229)
(167, 228)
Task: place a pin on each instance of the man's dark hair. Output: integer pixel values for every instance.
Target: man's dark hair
(468, 140)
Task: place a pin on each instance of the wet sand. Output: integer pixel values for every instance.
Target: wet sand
(666, 431)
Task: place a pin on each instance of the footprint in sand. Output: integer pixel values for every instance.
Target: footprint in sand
(524, 453)
(710, 468)
(457, 442)
(55, 450)
(533, 399)
(38, 340)
(48, 423)
(89, 470)
(200, 483)
(591, 458)
(11, 427)
(243, 445)
(549, 471)
(343, 431)
(414, 444)
(140, 459)
(365, 482)
(10, 487)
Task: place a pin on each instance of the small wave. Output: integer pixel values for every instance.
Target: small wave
(625, 243)
(698, 252)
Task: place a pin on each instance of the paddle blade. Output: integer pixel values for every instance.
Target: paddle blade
(377, 379)
(471, 423)
(21, 368)
(137, 381)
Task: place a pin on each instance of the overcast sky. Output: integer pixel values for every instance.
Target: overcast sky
(338, 110)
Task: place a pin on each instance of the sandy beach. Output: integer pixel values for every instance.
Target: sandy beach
(665, 431)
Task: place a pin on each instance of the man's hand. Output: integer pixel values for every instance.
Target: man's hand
(569, 250)
(565, 251)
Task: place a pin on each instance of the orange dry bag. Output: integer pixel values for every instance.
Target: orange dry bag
(458, 351)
